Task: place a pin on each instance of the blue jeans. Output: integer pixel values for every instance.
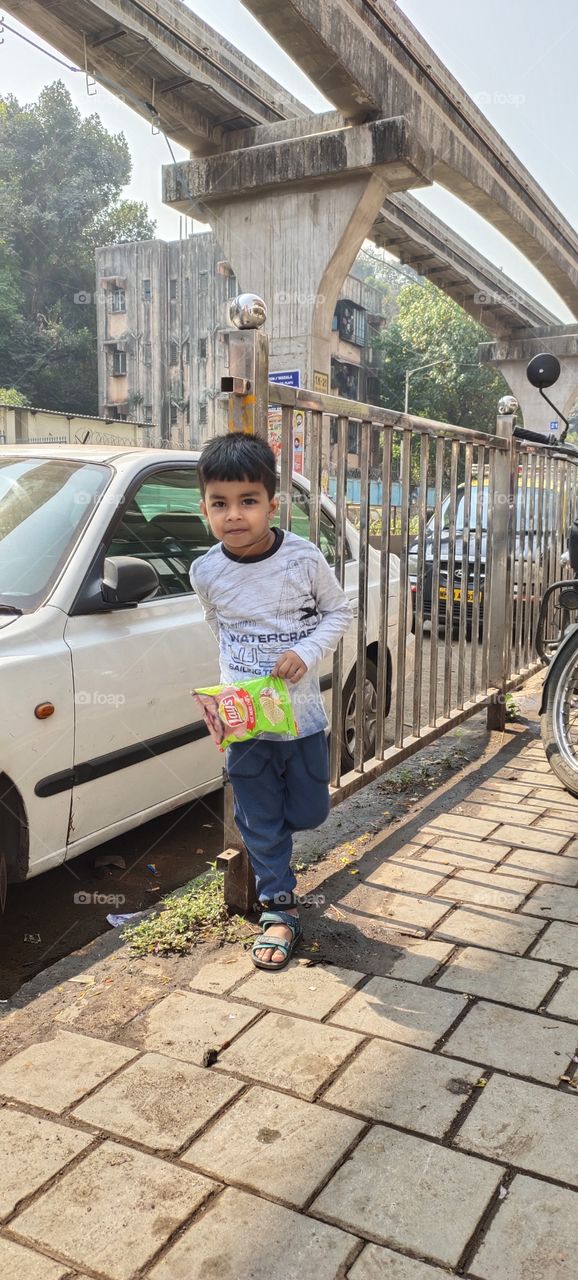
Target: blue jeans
(279, 787)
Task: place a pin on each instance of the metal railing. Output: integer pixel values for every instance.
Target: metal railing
(475, 570)
(457, 632)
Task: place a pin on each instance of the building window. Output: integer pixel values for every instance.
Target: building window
(186, 352)
(187, 412)
(118, 300)
(203, 281)
(173, 289)
(203, 414)
(202, 348)
(173, 414)
(146, 290)
(148, 413)
(118, 363)
(174, 353)
(353, 437)
(350, 322)
(232, 287)
(147, 353)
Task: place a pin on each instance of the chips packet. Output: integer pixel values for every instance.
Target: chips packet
(233, 713)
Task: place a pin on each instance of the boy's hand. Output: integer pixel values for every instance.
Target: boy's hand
(290, 667)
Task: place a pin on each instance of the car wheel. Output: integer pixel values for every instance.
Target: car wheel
(348, 716)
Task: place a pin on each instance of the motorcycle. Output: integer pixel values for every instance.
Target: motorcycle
(559, 705)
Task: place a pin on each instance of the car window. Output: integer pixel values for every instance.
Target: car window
(300, 524)
(163, 525)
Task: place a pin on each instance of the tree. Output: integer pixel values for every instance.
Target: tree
(60, 184)
(8, 395)
(431, 327)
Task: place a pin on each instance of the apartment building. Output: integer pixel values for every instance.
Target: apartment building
(162, 316)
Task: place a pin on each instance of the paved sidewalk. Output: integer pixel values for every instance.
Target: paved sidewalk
(407, 1126)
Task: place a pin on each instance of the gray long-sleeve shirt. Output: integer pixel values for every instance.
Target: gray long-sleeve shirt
(258, 607)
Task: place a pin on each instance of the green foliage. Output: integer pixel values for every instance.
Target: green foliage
(60, 182)
(430, 327)
(8, 395)
(193, 914)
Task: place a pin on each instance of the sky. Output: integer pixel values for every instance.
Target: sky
(516, 59)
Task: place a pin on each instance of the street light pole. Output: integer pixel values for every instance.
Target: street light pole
(420, 367)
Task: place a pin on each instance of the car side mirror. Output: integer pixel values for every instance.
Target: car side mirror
(126, 580)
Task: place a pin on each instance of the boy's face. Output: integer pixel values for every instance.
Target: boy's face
(239, 512)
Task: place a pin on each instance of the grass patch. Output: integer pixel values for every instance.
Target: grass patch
(196, 913)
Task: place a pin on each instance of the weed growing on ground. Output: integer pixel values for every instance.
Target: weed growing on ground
(196, 913)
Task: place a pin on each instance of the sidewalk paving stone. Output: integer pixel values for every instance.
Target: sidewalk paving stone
(376, 1262)
(17, 1262)
(400, 1011)
(525, 1125)
(495, 975)
(409, 877)
(186, 1025)
(415, 914)
(551, 822)
(481, 886)
(500, 811)
(220, 975)
(54, 1074)
(459, 851)
(158, 1102)
(565, 800)
(529, 838)
(301, 988)
(554, 902)
(405, 1191)
(275, 1144)
(419, 959)
(565, 1002)
(525, 1043)
(114, 1210)
(551, 867)
(493, 786)
(534, 1236)
(242, 1237)
(32, 1149)
(462, 825)
(408, 1087)
(559, 943)
(289, 1052)
(489, 927)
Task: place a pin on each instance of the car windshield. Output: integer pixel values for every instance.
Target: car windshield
(526, 518)
(44, 505)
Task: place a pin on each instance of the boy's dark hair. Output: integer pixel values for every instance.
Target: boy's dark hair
(236, 456)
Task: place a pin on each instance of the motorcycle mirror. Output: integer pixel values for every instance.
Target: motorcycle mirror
(543, 370)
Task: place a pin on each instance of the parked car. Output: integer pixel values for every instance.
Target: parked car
(524, 532)
(102, 638)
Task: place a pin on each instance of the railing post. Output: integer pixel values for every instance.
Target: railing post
(246, 389)
(498, 605)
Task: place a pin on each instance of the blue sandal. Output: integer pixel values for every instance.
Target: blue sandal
(264, 942)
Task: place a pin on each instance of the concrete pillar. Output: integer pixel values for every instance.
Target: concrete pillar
(511, 357)
(291, 217)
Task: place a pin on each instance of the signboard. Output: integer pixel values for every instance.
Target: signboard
(287, 377)
(554, 426)
(275, 435)
(321, 382)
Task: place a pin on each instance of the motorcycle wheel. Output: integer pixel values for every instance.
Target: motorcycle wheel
(559, 720)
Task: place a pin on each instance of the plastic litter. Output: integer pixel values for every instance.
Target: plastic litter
(115, 921)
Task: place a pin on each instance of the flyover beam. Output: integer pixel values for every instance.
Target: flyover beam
(366, 54)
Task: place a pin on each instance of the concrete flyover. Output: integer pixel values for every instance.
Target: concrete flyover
(366, 56)
(175, 71)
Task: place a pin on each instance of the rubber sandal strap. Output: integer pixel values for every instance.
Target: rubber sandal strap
(282, 917)
(272, 944)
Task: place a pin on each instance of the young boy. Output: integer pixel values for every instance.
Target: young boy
(277, 609)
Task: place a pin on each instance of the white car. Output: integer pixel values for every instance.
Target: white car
(99, 731)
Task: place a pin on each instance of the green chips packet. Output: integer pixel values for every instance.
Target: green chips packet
(234, 713)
